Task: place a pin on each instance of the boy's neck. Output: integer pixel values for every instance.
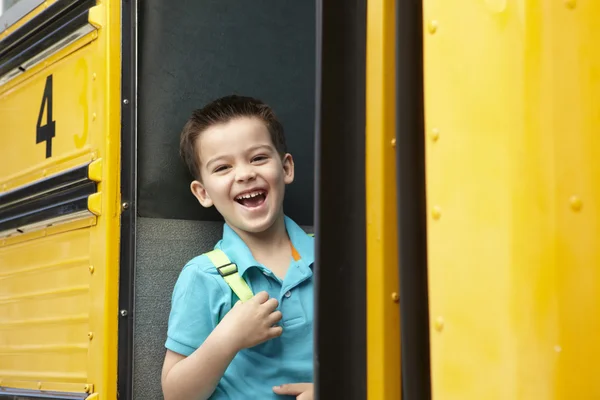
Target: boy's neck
(263, 245)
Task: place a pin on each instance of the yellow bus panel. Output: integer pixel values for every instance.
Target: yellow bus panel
(47, 119)
(383, 297)
(513, 191)
(59, 279)
(45, 304)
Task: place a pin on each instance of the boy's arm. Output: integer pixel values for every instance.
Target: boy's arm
(197, 376)
(245, 325)
(195, 305)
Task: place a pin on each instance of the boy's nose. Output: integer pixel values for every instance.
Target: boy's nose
(245, 174)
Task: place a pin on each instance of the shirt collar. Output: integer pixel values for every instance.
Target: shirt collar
(239, 253)
(304, 244)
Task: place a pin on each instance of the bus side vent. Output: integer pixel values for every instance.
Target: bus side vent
(27, 394)
(53, 29)
(57, 199)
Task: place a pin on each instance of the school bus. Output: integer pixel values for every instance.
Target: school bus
(445, 161)
(61, 199)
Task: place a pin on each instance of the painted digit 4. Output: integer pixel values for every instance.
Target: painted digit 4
(45, 133)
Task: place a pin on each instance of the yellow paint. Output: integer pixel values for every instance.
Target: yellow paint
(42, 169)
(44, 293)
(383, 314)
(49, 300)
(97, 16)
(20, 108)
(59, 55)
(51, 230)
(46, 385)
(105, 252)
(514, 276)
(571, 96)
(80, 139)
(95, 203)
(95, 170)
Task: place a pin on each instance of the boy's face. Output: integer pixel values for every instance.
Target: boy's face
(243, 176)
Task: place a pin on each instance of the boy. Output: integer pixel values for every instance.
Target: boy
(217, 346)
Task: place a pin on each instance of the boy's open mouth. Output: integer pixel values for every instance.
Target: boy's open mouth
(252, 199)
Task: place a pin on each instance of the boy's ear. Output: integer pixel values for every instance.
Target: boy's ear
(201, 194)
(288, 168)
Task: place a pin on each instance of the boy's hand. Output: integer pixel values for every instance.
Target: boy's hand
(251, 323)
(302, 391)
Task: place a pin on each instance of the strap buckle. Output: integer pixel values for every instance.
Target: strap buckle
(227, 269)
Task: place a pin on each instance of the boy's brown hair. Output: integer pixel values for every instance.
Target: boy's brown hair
(222, 111)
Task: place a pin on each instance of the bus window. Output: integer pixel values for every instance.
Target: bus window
(6, 4)
(13, 10)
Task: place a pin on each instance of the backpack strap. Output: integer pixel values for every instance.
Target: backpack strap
(229, 272)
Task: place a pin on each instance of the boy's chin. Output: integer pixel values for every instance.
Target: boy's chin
(255, 226)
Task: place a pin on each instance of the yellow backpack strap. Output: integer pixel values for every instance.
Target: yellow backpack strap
(229, 272)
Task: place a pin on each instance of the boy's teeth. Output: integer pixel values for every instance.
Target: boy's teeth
(248, 195)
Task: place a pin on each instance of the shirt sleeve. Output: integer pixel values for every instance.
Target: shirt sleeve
(197, 304)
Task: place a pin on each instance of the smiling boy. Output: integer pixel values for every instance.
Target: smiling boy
(217, 346)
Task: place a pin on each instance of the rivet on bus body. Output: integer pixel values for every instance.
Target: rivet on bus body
(557, 348)
(124, 313)
(436, 213)
(394, 142)
(576, 203)
(439, 324)
(93, 116)
(91, 268)
(39, 385)
(90, 335)
(125, 101)
(432, 26)
(86, 388)
(44, 172)
(94, 76)
(571, 4)
(435, 134)
(395, 297)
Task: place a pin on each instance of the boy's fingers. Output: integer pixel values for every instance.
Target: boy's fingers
(271, 304)
(275, 331)
(261, 297)
(275, 317)
(292, 389)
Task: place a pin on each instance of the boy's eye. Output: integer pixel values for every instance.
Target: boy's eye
(259, 158)
(220, 168)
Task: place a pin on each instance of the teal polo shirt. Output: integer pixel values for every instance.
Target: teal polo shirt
(201, 298)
